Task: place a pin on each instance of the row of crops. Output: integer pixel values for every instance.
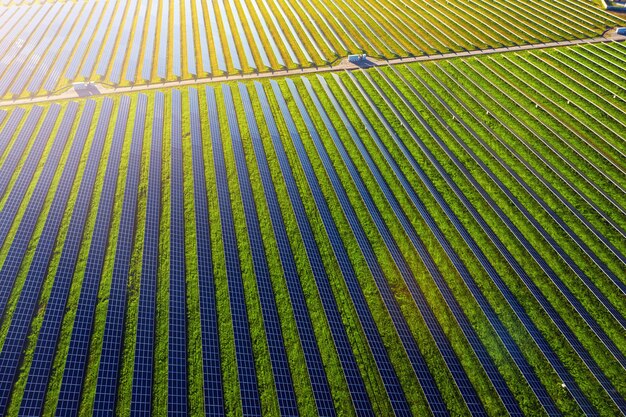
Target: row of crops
(416, 239)
(46, 46)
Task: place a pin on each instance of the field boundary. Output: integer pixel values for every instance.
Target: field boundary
(344, 65)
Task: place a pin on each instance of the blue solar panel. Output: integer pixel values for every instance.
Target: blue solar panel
(39, 374)
(204, 42)
(19, 145)
(479, 349)
(230, 40)
(541, 342)
(213, 385)
(509, 343)
(26, 65)
(122, 42)
(57, 56)
(141, 402)
(176, 39)
(216, 37)
(243, 341)
(314, 365)
(137, 44)
(189, 39)
(271, 321)
(74, 372)
(177, 348)
(29, 294)
(114, 31)
(163, 38)
(368, 325)
(76, 47)
(93, 40)
(10, 127)
(148, 45)
(354, 379)
(108, 371)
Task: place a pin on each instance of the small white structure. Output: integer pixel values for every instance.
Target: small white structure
(357, 58)
(82, 86)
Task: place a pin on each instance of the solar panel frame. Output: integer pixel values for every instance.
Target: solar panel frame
(23, 314)
(356, 385)
(211, 362)
(314, 365)
(112, 339)
(74, 372)
(248, 384)
(43, 356)
(177, 397)
(368, 325)
(143, 370)
(283, 380)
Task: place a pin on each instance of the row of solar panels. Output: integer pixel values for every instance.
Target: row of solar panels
(141, 403)
(44, 45)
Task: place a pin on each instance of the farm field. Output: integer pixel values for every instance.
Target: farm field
(438, 238)
(46, 46)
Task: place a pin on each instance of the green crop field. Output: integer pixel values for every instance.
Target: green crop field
(223, 208)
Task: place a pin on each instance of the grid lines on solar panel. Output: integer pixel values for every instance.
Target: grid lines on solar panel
(22, 316)
(271, 320)
(248, 384)
(351, 371)
(75, 364)
(177, 403)
(143, 369)
(41, 366)
(314, 365)
(211, 364)
(108, 371)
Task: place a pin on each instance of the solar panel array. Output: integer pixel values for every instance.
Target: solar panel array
(271, 320)
(177, 401)
(74, 371)
(239, 313)
(245, 36)
(426, 275)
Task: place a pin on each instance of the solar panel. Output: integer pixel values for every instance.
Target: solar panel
(57, 55)
(204, 44)
(570, 383)
(137, 44)
(163, 51)
(9, 50)
(176, 39)
(10, 127)
(211, 364)
(19, 146)
(353, 377)
(29, 294)
(94, 40)
(230, 40)
(479, 349)
(257, 39)
(43, 356)
(108, 371)
(271, 320)
(368, 325)
(114, 31)
(141, 402)
(148, 55)
(239, 314)
(242, 36)
(76, 48)
(74, 371)
(177, 348)
(314, 365)
(216, 36)
(189, 39)
(122, 43)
